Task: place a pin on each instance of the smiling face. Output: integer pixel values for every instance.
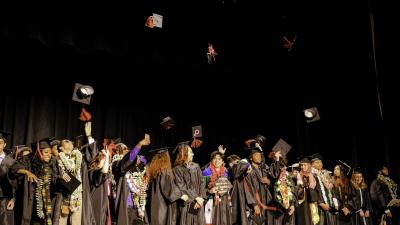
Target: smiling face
(217, 161)
(46, 154)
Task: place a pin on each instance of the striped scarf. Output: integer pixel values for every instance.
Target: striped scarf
(43, 200)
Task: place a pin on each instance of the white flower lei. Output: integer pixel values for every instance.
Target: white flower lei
(137, 186)
(390, 183)
(73, 166)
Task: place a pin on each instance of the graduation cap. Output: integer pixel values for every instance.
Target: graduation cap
(82, 93)
(304, 159)
(311, 114)
(357, 170)
(157, 20)
(156, 151)
(167, 122)
(180, 145)
(4, 134)
(19, 149)
(282, 146)
(42, 144)
(85, 116)
(260, 139)
(346, 166)
(251, 151)
(316, 156)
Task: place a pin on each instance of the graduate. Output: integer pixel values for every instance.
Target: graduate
(189, 182)
(41, 175)
(131, 186)
(164, 193)
(7, 188)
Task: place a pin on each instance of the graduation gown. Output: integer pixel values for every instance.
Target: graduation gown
(380, 197)
(243, 200)
(222, 214)
(361, 201)
(164, 194)
(307, 199)
(89, 152)
(125, 215)
(27, 195)
(189, 181)
(326, 217)
(261, 192)
(98, 194)
(7, 191)
(345, 198)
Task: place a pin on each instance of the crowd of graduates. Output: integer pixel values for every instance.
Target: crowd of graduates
(61, 182)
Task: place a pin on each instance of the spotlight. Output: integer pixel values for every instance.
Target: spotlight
(311, 114)
(82, 93)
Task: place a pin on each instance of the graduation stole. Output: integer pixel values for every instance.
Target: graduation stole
(283, 189)
(215, 175)
(43, 200)
(392, 186)
(137, 184)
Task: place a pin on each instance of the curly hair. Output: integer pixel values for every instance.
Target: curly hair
(182, 156)
(160, 164)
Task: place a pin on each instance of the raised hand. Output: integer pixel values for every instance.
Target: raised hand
(221, 149)
(88, 129)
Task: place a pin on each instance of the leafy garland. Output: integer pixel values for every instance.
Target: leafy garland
(390, 183)
(137, 184)
(283, 189)
(73, 165)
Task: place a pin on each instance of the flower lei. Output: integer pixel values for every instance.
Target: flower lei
(73, 165)
(137, 184)
(390, 183)
(283, 189)
(215, 175)
(43, 200)
(322, 180)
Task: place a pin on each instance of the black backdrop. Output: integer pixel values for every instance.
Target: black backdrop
(255, 87)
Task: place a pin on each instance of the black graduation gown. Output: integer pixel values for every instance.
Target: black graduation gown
(98, 194)
(190, 182)
(242, 197)
(222, 212)
(380, 198)
(326, 217)
(364, 204)
(306, 196)
(89, 152)
(261, 191)
(27, 195)
(125, 215)
(164, 194)
(345, 198)
(7, 191)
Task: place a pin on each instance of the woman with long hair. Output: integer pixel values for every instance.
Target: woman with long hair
(362, 201)
(344, 191)
(164, 192)
(190, 182)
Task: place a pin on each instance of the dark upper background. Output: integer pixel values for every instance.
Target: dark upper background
(256, 86)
